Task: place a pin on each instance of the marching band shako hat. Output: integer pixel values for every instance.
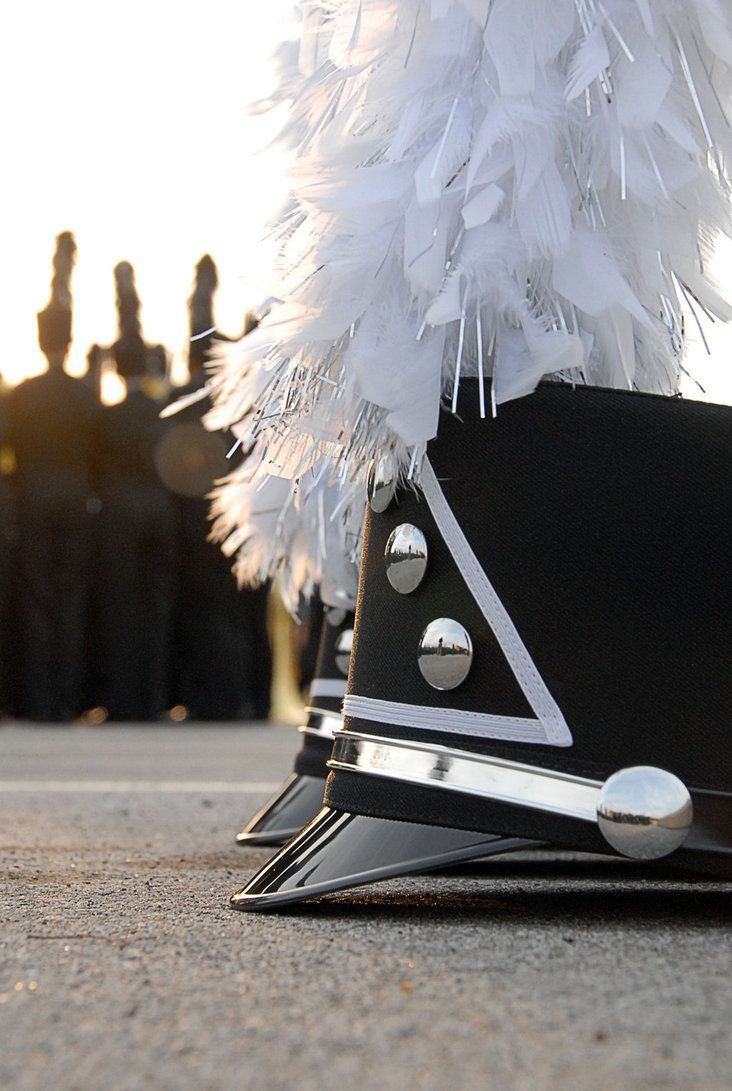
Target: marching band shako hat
(301, 796)
(541, 649)
(54, 321)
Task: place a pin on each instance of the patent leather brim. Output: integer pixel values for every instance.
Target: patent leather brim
(284, 815)
(338, 850)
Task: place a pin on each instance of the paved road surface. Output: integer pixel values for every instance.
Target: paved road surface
(121, 966)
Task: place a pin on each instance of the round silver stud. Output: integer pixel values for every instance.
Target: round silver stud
(344, 643)
(645, 813)
(381, 486)
(406, 558)
(335, 616)
(445, 653)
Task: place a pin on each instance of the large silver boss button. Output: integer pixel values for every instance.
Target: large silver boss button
(645, 813)
(381, 486)
(445, 653)
(405, 558)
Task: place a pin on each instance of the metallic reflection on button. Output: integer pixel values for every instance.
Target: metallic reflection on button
(381, 486)
(445, 653)
(405, 557)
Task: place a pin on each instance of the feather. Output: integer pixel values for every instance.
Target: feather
(590, 60)
(544, 218)
(644, 7)
(542, 175)
(509, 44)
(185, 402)
(587, 276)
(483, 206)
(274, 528)
(521, 362)
(641, 87)
(715, 28)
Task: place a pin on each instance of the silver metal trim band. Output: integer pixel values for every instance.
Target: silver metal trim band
(704, 826)
(463, 771)
(321, 723)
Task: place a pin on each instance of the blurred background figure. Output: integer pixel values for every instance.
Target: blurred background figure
(9, 651)
(52, 427)
(113, 603)
(222, 663)
(138, 545)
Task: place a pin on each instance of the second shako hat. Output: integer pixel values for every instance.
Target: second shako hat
(301, 795)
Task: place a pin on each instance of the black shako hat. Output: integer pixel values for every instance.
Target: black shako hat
(541, 650)
(54, 321)
(301, 795)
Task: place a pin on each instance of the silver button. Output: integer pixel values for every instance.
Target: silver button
(344, 643)
(335, 616)
(643, 812)
(381, 486)
(406, 558)
(445, 653)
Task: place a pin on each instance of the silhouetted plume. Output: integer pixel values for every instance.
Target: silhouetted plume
(200, 310)
(54, 321)
(128, 301)
(200, 304)
(129, 350)
(63, 267)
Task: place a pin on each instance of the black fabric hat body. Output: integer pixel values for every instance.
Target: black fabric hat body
(130, 356)
(542, 644)
(301, 795)
(54, 328)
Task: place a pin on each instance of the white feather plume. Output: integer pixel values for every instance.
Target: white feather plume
(294, 534)
(513, 189)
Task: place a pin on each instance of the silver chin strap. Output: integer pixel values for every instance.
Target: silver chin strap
(642, 812)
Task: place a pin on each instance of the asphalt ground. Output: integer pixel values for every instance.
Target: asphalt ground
(121, 966)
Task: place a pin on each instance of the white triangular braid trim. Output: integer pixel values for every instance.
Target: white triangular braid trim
(447, 721)
(327, 687)
(554, 725)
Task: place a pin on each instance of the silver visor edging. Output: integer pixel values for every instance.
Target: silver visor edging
(642, 812)
(433, 765)
(321, 723)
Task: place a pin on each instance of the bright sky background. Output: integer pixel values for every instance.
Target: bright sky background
(128, 124)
